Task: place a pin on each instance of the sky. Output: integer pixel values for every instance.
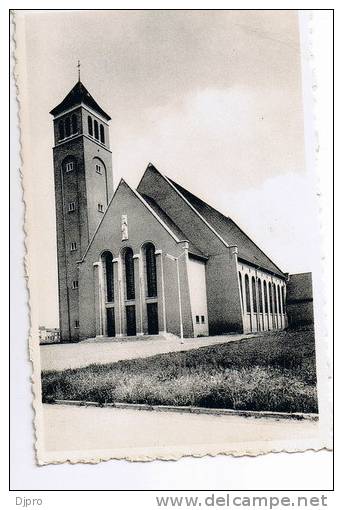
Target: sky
(212, 98)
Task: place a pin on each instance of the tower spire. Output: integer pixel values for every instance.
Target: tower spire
(79, 70)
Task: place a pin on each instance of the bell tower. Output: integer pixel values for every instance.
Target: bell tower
(83, 187)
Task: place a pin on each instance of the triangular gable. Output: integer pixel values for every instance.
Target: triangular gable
(146, 205)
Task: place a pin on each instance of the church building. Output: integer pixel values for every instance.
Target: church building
(151, 260)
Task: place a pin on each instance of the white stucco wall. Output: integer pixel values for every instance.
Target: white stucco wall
(197, 287)
(263, 319)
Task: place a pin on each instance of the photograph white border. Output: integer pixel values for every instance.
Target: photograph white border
(325, 186)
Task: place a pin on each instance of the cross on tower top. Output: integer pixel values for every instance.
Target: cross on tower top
(79, 70)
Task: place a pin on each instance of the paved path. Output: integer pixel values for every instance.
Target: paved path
(105, 432)
(62, 356)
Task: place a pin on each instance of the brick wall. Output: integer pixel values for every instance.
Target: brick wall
(142, 227)
(85, 188)
(300, 300)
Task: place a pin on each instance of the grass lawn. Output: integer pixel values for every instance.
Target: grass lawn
(273, 372)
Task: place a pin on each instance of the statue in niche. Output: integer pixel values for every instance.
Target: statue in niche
(124, 228)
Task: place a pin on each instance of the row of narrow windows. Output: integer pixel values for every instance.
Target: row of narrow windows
(271, 296)
(129, 272)
(94, 129)
(68, 127)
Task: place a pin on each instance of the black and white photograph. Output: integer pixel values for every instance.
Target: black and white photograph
(172, 233)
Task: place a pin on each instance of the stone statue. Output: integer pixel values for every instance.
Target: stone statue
(124, 228)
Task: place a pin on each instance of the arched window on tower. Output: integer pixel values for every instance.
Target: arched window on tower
(265, 297)
(67, 126)
(90, 125)
(102, 134)
(254, 301)
(260, 297)
(247, 293)
(129, 273)
(150, 267)
(96, 130)
(107, 261)
(270, 298)
(61, 130)
(74, 124)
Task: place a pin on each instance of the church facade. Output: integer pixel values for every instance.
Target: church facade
(151, 260)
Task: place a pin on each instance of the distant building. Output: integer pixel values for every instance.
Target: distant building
(48, 335)
(150, 260)
(300, 300)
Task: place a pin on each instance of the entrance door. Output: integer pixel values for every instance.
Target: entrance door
(111, 329)
(152, 318)
(131, 320)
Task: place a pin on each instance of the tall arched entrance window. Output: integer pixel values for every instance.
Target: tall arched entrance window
(149, 258)
(107, 258)
(129, 274)
(129, 293)
(150, 267)
(108, 282)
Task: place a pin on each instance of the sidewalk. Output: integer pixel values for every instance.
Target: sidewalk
(63, 356)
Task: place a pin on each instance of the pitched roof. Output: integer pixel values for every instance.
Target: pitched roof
(78, 94)
(160, 215)
(170, 223)
(230, 232)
